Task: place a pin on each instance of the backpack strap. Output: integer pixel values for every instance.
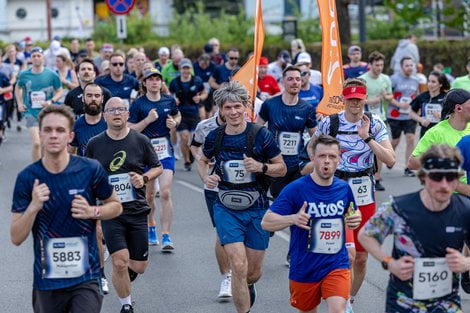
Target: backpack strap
(251, 138)
(334, 125)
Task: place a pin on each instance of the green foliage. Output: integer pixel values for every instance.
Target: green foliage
(309, 30)
(139, 29)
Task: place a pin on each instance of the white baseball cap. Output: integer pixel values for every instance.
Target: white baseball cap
(304, 57)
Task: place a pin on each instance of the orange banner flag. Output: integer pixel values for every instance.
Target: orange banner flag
(247, 75)
(331, 59)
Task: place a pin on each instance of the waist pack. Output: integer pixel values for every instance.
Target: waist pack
(238, 199)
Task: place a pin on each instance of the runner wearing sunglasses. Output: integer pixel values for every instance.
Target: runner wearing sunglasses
(429, 228)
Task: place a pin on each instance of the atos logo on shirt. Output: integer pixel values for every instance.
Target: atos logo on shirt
(324, 210)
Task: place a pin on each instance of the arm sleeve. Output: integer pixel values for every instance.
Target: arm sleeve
(198, 137)
(22, 193)
(134, 112)
(267, 144)
(264, 111)
(174, 108)
(380, 132)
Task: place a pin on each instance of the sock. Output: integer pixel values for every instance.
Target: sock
(126, 300)
(103, 275)
(228, 274)
(165, 233)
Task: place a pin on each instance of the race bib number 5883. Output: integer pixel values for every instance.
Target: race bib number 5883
(65, 257)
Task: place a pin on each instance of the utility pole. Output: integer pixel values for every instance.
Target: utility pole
(362, 20)
(49, 17)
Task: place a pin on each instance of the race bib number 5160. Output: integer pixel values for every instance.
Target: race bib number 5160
(432, 278)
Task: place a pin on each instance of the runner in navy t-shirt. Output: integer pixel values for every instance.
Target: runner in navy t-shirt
(154, 115)
(55, 199)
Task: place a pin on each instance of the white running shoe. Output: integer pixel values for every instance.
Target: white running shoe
(225, 292)
(104, 285)
(349, 308)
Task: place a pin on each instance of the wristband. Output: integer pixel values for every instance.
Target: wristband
(368, 139)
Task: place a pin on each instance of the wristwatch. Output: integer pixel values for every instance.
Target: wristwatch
(385, 262)
(265, 168)
(146, 179)
(368, 139)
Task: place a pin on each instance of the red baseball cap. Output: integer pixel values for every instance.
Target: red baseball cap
(263, 61)
(355, 92)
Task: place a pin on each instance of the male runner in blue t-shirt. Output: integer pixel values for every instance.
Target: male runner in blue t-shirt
(243, 158)
(287, 117)
(119, 84)
(154, 115)
(319, 266)
(55, 199)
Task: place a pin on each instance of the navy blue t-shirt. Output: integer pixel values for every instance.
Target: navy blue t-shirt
(464, 146)
(287, 123)
(141, 108)
(326, 206)
(185, 91)
(222, 74)
(83, 177)
(122, 89)
(313, 95)
(353, 72)
(206, 73)
(84, 132)
(233, 147)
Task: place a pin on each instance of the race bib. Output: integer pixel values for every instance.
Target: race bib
(122, 185)
(326, 236)
(37, 99)
(405, 100)
(432, 278)
(430, 110)
(235, 173)
(161, 147)
(65, 257)
(289, 143)
(362, 189)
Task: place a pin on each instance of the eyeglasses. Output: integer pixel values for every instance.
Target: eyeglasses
(118, 110)
(233, 58)
(118, 63)
(304, 73)
(439, 176)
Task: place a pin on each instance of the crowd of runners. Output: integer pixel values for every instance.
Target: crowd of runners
(108, 127)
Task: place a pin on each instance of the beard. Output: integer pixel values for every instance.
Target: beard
(92, 110)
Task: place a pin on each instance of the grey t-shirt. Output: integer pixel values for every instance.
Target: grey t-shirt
(405, 89)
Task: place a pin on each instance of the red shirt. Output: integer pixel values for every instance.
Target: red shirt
(268, 84)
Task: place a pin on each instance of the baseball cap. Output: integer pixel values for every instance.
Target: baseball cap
(163, 51)
(263, 61)
(107, 47)
(55, 47)
(36, 49)
(185, 63)
(354, 49)
(355, 92)
(152, 72)
(454, 97)
(56, 37)
(285, 56)
(304, 57)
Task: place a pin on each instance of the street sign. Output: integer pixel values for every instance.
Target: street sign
(120, 7)
(121, 30)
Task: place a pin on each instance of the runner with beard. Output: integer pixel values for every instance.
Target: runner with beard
(86, 127)
(86, 74)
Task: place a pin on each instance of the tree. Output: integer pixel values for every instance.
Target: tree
(344, 24)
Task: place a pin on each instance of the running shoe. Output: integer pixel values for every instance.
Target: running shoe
(252, 291)
(409, 173)
(187, 166)
(132, 274)
(288, 259)
(127, 308)
(18, 128)
(225, 292)
(465, 282)
(153, 240)
(104, 285)
(379, 186)
(167, 244)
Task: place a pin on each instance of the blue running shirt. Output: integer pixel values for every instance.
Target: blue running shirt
(84, 132)
(327, 206)
(82, 176)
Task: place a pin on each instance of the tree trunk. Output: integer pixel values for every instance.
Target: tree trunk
(343, 21)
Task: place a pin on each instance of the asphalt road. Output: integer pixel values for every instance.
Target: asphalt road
(186, 281)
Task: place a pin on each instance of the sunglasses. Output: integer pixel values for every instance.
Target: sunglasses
(116, 110)
(303, 74)
(116, 64)
(439, 176)
(233, 58)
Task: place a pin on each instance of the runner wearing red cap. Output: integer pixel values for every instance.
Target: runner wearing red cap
(267, 84)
